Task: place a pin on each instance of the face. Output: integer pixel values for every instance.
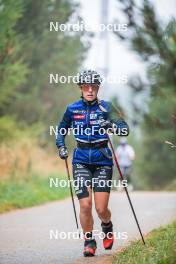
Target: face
(89, 91)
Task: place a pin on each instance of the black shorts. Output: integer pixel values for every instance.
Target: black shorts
(98, 177)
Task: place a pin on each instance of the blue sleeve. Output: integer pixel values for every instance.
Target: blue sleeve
(115, 117)
(63, 128)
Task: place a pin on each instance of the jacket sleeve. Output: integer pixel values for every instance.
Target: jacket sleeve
(62, 129)
(115, 117)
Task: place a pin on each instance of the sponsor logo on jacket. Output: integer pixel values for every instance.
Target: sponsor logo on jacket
(93, 116)
(79, 116)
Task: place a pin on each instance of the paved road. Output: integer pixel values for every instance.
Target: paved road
(25, 234)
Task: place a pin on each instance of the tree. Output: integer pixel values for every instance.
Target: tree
(47, 52)
(13, 69)
(156, 46)
(29, 52)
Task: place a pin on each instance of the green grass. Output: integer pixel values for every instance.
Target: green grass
(25, 192)
(160, 248)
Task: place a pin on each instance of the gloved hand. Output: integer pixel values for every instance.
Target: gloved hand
(63, 152)
(105, 123)
(121, 124)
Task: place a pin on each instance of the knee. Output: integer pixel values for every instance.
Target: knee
(86, 208)
(101, 211)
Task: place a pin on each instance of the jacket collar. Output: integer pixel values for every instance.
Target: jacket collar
(89, 103)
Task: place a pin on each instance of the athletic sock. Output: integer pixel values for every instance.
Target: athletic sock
(107, 227)
(89, 240)
(88, 235)
(106, 224)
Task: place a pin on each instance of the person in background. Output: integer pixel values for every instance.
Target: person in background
(126, 155)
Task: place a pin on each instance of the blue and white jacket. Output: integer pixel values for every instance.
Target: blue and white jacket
(84, 118)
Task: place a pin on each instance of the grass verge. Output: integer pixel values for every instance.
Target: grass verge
(160, 248)
(30, 191)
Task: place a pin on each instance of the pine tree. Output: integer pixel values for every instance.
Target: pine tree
(156, 46)
(47, 52)
(12, 67)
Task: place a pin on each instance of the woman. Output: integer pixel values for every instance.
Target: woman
(92, 158)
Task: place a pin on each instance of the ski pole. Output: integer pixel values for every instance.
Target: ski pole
(71, 192)
(126, 190)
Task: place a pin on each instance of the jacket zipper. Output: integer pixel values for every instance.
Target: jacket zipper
(88, 135)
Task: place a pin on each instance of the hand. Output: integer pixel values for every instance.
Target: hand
(105, 123)
(121, 124)
(63, 152)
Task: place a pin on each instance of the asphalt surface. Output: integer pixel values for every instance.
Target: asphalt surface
(34, 235)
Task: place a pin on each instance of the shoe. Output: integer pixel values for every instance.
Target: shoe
(107, 229)
(90, 246)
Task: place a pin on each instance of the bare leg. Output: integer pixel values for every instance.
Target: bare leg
(101, 205)
(86, 218)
